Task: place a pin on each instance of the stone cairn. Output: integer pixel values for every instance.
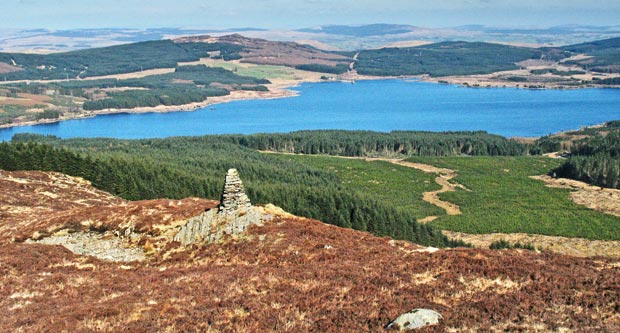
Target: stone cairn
(233, 198)
(232, 217)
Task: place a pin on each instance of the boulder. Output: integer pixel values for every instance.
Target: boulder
(414, 319)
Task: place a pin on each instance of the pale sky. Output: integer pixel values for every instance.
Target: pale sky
(292, 14)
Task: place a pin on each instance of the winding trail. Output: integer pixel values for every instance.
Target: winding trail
(577, 247)
(443, 179)
(432, 197)
(352, 64)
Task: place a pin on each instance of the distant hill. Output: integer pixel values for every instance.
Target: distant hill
(101, 61)
(595, 46)
(163, 54)
(446, 58)
(604, 55)
(362, 30)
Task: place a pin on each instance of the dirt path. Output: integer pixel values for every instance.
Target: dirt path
(352, 64)
(576, 247)
(443, 179)
(604, 200)
(432, 197)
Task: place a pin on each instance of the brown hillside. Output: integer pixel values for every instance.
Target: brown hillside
(6, 68)
(291, 275)
(264, 52)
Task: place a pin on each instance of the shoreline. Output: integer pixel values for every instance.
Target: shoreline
(476, 82)
(275, 91)
(281, 88)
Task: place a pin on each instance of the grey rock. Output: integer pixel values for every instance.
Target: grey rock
(104, 246)
(416, 318)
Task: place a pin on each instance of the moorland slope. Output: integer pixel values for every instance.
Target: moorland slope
(290, 275)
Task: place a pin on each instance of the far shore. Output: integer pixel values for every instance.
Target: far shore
(280, 88)
(276, 90)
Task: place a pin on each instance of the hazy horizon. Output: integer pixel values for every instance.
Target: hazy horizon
(280, 14)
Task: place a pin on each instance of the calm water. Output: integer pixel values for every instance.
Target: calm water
(369, 105)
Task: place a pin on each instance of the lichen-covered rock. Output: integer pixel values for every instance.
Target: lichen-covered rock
(104, 246)
(211, 226)
(414, 319)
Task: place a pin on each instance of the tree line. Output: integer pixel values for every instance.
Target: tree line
(380, 144)
(595, 160)
(443, 59)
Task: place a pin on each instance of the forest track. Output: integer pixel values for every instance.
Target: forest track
(352, 64)
(576, 247)
(604, 200)
(443, 179)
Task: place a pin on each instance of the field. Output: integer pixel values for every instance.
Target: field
(504, 199)
(30, 106)
(393, 184)
(251, 70)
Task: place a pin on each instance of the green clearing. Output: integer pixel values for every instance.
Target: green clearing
(256, 71)
(393, 184)
(504, 199)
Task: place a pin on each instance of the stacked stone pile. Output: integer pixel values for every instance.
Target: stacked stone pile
(233, 198)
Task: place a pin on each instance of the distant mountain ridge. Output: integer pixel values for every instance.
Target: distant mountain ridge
(379, 29)
(346, 37)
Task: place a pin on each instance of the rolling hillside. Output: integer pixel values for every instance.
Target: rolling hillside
(191, 72)
(289, 275)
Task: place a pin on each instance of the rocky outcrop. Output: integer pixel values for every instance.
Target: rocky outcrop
(104, 246)
(232, 217)
(289, 263)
